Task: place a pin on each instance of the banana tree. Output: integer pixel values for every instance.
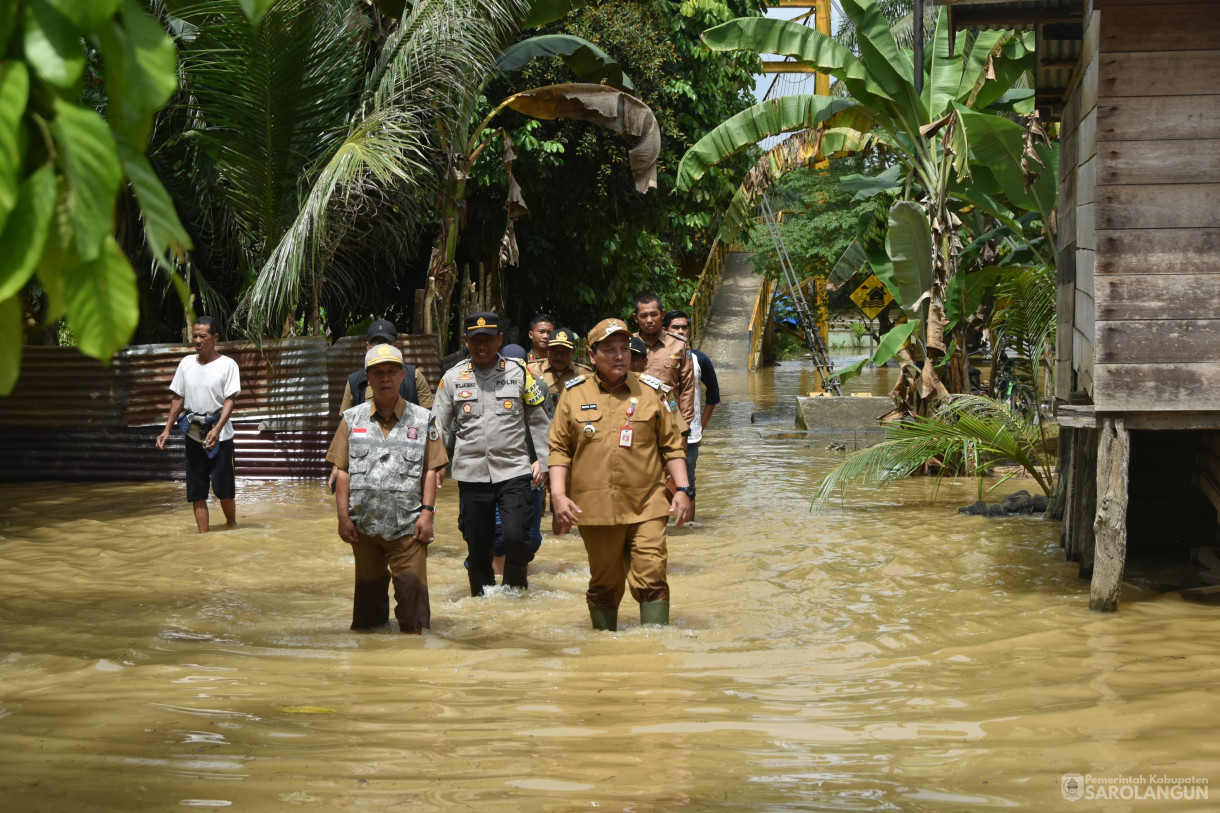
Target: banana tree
(607, 105)
(952, 148)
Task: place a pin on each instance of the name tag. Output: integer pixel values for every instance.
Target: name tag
(588, 406)
(624, 437)
(360, 430)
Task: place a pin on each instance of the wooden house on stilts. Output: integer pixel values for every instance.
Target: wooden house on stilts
(1135, 86)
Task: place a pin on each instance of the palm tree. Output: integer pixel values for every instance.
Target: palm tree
(304, 149)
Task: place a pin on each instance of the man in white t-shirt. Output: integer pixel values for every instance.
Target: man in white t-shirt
(206, 386)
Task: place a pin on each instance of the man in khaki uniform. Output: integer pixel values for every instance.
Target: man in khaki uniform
(558, 368)
(612, 440)
(385, 491)
(667, 358)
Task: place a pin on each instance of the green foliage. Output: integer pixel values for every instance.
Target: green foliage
(819, 224)
(62, 166)
(1024, 321)
(571, 173)
(967, 435)
(303, 150)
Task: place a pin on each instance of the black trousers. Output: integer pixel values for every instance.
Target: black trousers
(477, 503)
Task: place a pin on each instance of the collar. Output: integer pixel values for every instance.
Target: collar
(612, 387)
(659, 341)
(399, 408)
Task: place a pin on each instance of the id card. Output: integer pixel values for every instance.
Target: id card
(624, 437)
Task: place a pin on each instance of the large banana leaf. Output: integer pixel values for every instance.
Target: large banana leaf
(945, 75)
(838, 137)
(887, 64)
(764, 35)
(605, 107)
(909, 244)
(583, 58)
(769, 118)
(1001, 163)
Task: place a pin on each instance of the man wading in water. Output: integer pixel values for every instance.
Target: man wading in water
(384, 495)
(207, 384)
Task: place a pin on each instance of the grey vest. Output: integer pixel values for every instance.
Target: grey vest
(386, 473)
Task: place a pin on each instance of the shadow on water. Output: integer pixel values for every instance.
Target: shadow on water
(884, 654)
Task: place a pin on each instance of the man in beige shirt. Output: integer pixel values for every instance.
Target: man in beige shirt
(558, 368)
(612, 440)
(667, 358)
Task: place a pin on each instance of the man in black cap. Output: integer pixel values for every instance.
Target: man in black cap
(499, 452)
(414, 388)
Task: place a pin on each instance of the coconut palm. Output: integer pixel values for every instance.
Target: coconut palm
(303, 148)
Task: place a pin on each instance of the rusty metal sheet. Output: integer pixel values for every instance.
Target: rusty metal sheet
(71, 418)
(59, 386)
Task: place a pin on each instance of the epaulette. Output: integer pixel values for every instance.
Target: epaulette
(573, 382)
(651, 381)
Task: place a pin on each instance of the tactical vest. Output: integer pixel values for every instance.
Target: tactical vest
(359, 382)
(386, 472)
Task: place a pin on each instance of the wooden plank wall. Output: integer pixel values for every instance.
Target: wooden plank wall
(1074, 239)
(1156, 223)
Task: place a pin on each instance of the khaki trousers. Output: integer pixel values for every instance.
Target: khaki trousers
(380, 562)
(634, 553)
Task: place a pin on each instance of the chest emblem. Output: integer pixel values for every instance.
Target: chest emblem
(464, 393)
(412, 433)
(466, 408)
(360, 430)
(508, 404)
(589, 430)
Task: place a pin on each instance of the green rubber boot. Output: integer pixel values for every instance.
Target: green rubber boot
(604, 618)
(654, 613)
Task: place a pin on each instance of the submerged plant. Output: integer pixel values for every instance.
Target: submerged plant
(967, 435)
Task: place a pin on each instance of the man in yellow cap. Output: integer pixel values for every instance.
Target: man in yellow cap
(385, 496)
(612, 440)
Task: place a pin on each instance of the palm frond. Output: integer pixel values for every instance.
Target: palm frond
(969, 434)
(1026, 322)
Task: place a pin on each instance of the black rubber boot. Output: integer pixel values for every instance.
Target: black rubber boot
(654, 612)
(516, 576)
(604, 618)
(478, 581)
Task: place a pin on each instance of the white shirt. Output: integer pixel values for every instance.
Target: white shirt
(696, 426)
(204, 387)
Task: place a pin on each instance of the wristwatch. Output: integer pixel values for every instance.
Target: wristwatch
(431, 508)
(687, 490)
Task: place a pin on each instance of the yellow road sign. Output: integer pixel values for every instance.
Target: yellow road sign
(872, 297)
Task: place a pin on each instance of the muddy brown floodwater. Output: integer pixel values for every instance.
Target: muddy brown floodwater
(886, 654)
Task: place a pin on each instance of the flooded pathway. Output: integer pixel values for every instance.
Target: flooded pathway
(884, 655)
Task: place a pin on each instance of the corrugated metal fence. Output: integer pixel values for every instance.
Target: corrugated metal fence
(73, 418)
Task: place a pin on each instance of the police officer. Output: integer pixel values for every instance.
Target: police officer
(558, 368)
(499, 452)
(385, 492)
(613, 438)
(667, 357)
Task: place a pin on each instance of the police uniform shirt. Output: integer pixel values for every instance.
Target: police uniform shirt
(612, 482)
(667, 360)
(491, 408)
(434, 452)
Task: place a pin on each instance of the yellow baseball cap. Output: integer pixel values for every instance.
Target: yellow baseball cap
(382, 354)
(606, 328)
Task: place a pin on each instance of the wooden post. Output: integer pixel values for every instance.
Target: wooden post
(1054, 509)
(1110, 527)
(1083, 540)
